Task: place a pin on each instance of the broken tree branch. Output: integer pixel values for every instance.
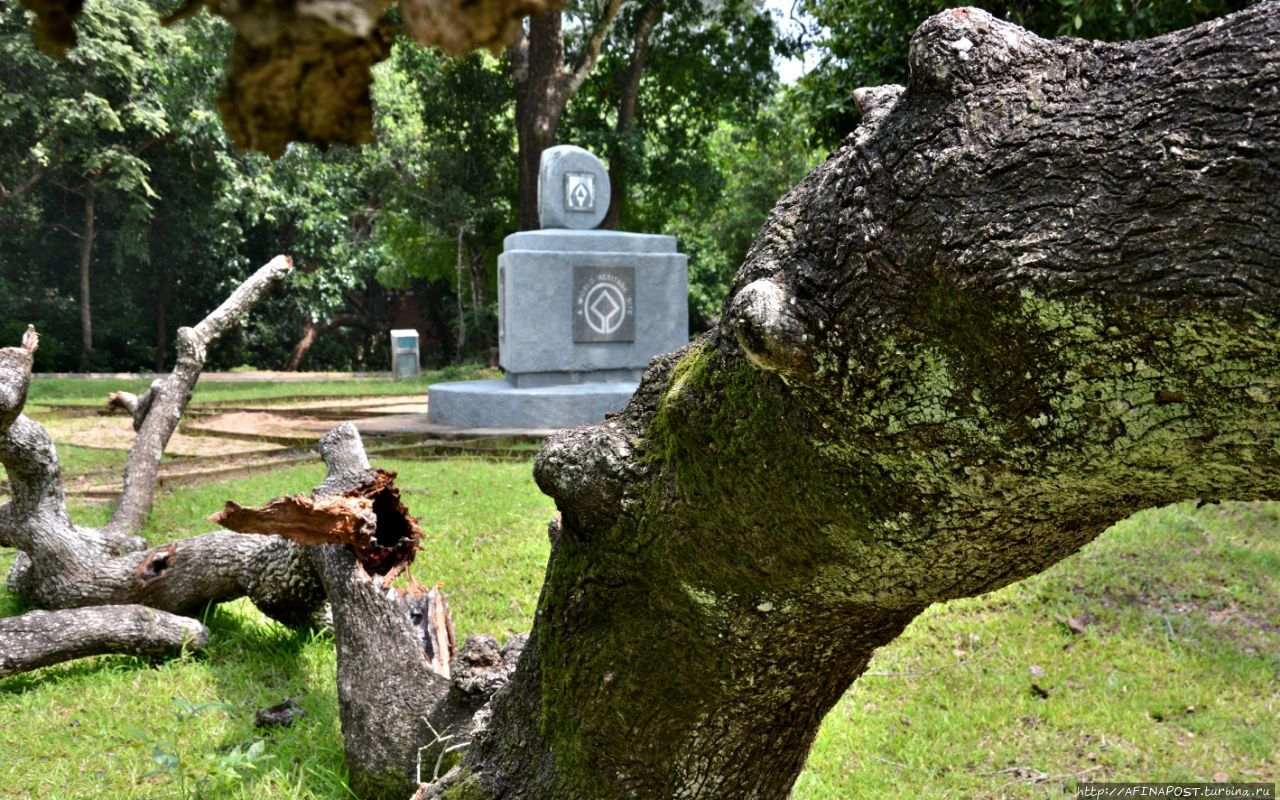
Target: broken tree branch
(62, 565)
(157, 418)
(136, 406)
(40, 638)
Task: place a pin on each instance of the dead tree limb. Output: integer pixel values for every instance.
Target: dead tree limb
(401, 691)
(40, 638)
(61, 565)
(157, 412)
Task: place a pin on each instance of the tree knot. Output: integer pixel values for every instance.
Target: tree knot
(768, 326)
(962, 48)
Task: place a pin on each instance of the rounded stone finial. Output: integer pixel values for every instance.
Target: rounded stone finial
(573, 188)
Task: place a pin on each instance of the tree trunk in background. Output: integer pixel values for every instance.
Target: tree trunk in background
(544, 84)
(311, 333)
(163, 300)
(626, 124)
(86, 314)
(462, 316)
(1036, 291)
(539, 105)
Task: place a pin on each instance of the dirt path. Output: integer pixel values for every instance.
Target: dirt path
(219, 441)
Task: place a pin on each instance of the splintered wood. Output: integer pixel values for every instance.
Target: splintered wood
(371, 520)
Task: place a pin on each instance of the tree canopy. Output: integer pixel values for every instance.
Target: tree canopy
(125, 205)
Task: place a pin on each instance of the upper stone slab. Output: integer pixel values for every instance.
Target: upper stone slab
(573, 188)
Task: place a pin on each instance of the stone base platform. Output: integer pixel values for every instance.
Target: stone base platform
(498, 404)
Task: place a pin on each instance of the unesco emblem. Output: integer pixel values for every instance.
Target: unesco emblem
(604, 304)
(579, 191)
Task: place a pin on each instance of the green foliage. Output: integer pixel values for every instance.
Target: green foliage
(445, 141)
(414, 221)
(201, 773)
(757, 164)
(865, 42)
(93, 127)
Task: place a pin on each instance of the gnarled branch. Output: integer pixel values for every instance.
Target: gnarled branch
(41, 638)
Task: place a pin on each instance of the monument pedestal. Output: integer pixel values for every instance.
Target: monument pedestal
(498, 404)
(580, 312)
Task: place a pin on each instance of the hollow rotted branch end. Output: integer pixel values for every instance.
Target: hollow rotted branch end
(305, 520)
(369, 518)
(769, 329)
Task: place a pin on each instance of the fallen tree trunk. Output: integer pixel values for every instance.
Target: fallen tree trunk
(40, 638)
(345, 543)
(402, 694)
(1037, 290)
(62, 565)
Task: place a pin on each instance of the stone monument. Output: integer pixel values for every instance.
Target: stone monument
(580, 311)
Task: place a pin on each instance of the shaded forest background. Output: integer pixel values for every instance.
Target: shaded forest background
(126, 212)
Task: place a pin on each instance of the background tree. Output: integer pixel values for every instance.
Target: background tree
(446, 135)
(407, 228)
(550, 60)
(672, 73)
(78, 135)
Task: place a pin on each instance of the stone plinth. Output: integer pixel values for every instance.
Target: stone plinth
(589, 301)
(498, 404)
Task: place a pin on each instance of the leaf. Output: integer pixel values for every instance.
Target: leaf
(167, 761)
(1079, 23)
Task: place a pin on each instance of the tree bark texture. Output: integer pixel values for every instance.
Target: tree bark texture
(41, 638)
(1036, 291)
(405, 697)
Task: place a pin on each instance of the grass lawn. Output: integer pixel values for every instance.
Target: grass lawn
(1174, 676)
(77, 391)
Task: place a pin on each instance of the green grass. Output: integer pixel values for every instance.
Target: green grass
(95, 728)
(1177, 677)
(77, 460)
(75, 391)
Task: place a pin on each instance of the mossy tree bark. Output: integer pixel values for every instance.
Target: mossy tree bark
(1034, 292)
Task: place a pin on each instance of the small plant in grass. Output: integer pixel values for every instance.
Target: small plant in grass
(201, 773)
